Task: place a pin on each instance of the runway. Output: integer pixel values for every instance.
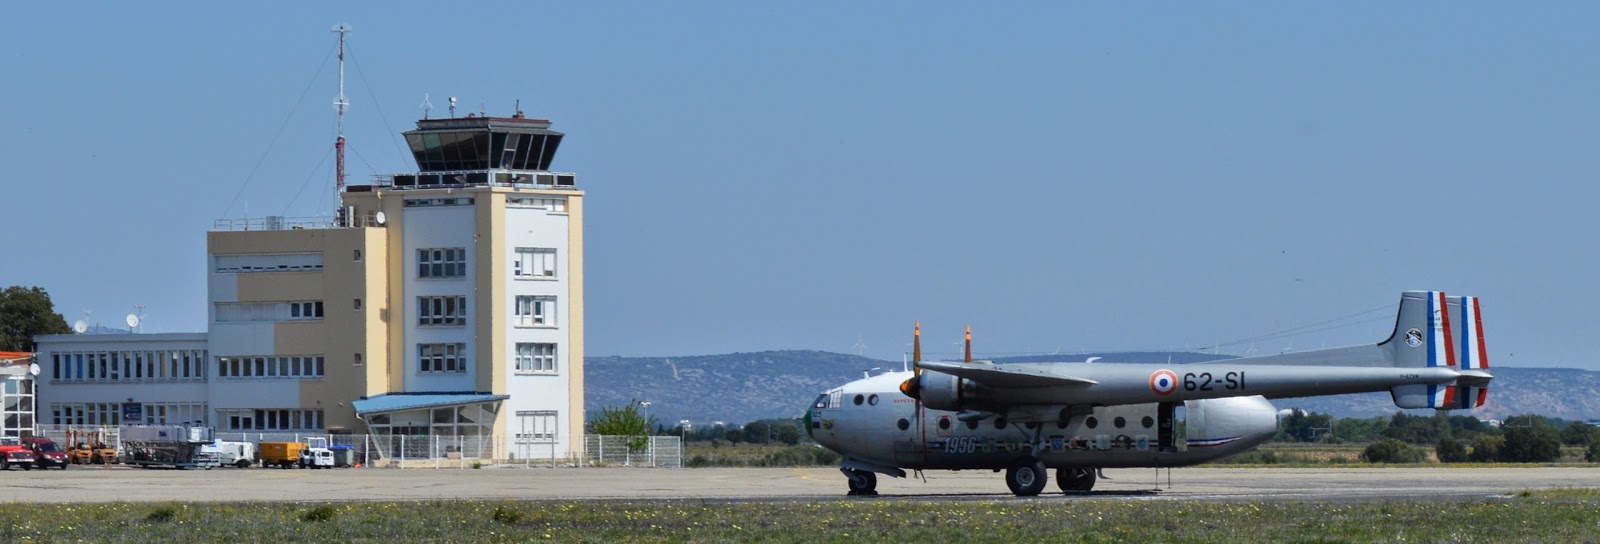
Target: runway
(102, 484)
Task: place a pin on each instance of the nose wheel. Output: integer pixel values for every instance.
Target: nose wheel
(1075, 479)
(861, 482)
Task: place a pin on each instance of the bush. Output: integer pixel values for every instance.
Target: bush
(161, 515)
(320, 513)
(1391, 450)
(502, 515)
(1593, 456)
(1451, 450)
(1486, 448)
(1531, 445)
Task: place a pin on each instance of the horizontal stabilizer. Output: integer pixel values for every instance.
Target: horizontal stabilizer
(1005, 376)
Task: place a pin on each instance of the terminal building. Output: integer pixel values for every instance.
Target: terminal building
(445, 302)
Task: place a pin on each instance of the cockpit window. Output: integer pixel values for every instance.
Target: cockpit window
(835, 398)
(822, 402)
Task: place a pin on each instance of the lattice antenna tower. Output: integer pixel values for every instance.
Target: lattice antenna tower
(339, 105)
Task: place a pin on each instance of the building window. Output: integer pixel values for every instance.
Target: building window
(534, 262)
(238, 367)
(291, 262)
(450, 262)
(358, 255)
(270, 420)
(358, 359)
(304, 310)
(141, 366)
(536, 358)
(442, 358)
(535, 311)
(439, 311)
(537, 426)
(547, 204)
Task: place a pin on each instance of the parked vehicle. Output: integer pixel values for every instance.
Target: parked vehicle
(280, 454)
(178, 446)
(46, 453)
(234, 454)
(316, 454)
(91, 446)
(13, 453)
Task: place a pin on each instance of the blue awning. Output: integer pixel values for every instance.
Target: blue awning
(395, 402)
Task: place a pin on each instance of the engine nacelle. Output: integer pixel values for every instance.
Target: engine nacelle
(939, 391)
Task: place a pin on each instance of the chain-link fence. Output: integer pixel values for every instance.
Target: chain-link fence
(634, 451)
(425, 451)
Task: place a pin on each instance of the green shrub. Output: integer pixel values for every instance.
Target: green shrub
(502, 515)
(1593, 455)
(1451, 450)
(1531, 445)
(320, 513)
(161, 515)
(1391, 450)
(1486, 448)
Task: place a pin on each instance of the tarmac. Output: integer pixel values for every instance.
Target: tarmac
(105, 484)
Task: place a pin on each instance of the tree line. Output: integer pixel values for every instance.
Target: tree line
(1404, 438)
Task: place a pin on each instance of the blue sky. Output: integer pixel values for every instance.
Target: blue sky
(803, 175)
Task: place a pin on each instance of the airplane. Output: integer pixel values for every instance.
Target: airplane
(1081, 417)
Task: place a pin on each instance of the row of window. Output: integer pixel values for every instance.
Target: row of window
(446, 310)
(89, 413)
(440, 358)
(448, 262)
(536, 357)
(286, 262)
(271, 366)
(430, 202)
(451, 262)
(124, 366)
(234, 312)
(270, 420)
(547, 204)
(534, 311)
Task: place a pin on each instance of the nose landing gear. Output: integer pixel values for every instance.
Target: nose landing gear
(861, 482)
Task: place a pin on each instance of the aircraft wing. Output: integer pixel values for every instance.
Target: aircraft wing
(1006, 375)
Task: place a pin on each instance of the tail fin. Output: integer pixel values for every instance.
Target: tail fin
(1435, 330)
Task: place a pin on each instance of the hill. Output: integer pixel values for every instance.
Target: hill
(742, 387)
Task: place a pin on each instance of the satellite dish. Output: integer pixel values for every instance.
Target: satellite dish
(133, 320)
(380, 218)
(80, 327)
(33, 369)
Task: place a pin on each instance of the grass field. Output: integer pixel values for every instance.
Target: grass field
(1560, 515)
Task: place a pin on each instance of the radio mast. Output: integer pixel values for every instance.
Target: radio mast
(339, 104)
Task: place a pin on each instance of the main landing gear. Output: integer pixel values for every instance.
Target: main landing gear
(1075, 479)
(861, 482)
(1025, 476)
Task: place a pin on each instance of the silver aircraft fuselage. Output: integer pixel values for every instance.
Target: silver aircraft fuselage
(874, 426)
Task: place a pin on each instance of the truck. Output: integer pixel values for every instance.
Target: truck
(14, 454)
(178, 446)
(280, 454)
(46, 453)
(234, 454)
(316, 454)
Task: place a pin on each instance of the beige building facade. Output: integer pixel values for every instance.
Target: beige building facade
(445, 302)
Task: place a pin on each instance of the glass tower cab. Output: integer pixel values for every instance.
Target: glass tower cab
(477, 151)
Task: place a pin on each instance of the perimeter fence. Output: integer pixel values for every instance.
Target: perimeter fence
(433, 451)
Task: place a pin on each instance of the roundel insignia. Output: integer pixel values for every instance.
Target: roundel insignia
(1414, 337)
(1163, 382)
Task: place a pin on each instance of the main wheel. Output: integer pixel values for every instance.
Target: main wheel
(242, 463)
(1026, 477)
(1075, 479)
(862, 482)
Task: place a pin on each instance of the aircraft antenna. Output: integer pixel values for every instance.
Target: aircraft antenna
(339, 105)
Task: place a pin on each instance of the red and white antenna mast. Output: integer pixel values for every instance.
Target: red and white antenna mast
(339, 104)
